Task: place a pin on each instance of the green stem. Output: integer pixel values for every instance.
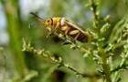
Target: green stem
(59, 61)
(94, 10)
(11, 9)
(105, 66)
(122, 65)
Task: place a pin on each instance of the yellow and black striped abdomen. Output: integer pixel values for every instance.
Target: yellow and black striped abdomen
(74, 33)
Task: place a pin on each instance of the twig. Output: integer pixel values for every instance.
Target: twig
(105, 65)
(95, 13)
(85, 75)
(103, 56)
(123, 66)
(58, 60)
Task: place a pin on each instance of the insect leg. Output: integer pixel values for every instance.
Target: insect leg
(77, 36)
(54, 29)
(49, 32)
(65, 40)
(68, 40)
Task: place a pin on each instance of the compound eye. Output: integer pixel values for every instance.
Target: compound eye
(48, 21)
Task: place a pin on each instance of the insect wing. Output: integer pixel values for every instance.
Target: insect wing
(72, 24)
(83, 36)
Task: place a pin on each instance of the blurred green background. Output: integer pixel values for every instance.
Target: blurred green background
(17, 24)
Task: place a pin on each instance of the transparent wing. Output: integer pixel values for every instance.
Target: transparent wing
(73, 25)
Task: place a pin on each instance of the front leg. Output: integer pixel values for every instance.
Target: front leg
(49, 32)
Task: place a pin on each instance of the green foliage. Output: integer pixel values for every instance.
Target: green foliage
(32, 57)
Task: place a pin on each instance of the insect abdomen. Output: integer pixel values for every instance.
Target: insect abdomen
(74, 33)
(82, 37)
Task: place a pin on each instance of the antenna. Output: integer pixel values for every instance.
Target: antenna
(36, 16)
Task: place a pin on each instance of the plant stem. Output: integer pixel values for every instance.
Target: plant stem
(94, 10)
(27, 48)
(18, 67)
(105, 66)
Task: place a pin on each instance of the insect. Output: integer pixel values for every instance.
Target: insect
(61, 26)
